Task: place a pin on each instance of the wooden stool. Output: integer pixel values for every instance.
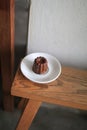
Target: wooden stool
(70, 90)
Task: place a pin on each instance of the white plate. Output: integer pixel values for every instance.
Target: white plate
(52, 74)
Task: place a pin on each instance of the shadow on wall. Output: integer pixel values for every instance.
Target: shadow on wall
(21, 27)
(20, 52)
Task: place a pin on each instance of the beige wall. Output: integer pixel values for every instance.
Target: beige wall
(59, 27)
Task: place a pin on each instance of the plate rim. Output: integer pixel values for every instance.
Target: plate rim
(42, 82)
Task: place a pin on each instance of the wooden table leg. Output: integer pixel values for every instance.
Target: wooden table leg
(28, 115)
(7, 50)
(22, 103)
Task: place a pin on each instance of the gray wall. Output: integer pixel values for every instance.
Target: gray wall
(21, 27)
(59, 27)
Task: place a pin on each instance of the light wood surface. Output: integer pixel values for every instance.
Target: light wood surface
(69, 90)
(7, 50)
(28, 115)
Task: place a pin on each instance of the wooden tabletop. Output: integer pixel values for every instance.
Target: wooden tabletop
(70, 89)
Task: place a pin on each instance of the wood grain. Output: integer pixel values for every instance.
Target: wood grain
(70, 89)
(22, 103)
(7, 50)
(28, 115)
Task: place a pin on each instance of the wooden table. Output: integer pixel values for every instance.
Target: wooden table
(70, 90)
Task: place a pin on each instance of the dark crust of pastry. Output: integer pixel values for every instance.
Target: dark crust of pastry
(40, 65)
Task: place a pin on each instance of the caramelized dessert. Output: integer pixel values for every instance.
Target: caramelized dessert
(40, 65)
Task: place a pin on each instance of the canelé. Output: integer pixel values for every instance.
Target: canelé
(40, 65)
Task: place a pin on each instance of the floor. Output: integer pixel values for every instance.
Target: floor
(49, 117)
